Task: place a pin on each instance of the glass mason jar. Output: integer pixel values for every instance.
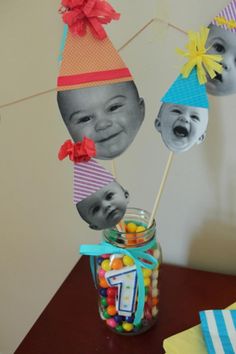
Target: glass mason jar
(127, 275)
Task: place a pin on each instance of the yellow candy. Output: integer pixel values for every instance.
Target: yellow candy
(140, 229)
(146, 272)
(147, 281)
(128, 261)
(131, 227)
(106, 265)
(127, 326)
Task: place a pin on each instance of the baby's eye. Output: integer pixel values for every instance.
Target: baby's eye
(195, 118)
(109, 196)
(84, 119)
(176, 111)
(96, 209)
(219, 48)
(114, 107)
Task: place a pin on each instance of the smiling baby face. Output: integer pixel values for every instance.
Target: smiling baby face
(181, 126)
(110, 115)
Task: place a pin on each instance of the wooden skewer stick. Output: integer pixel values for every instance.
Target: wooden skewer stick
(158, 197)
(113, 168)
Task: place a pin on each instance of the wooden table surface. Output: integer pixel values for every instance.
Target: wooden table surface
(70, 324)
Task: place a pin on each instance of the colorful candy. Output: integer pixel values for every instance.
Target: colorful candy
(128, 261)
(112, 271)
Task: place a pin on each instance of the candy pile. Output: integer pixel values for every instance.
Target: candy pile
(108, 296)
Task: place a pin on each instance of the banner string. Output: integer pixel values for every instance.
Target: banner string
(122, 47)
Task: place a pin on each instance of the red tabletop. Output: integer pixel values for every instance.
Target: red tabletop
(70, 324)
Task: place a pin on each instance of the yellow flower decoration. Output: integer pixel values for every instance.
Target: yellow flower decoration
(198, 57)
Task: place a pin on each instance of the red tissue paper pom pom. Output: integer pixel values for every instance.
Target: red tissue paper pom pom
(81, 151)
(80, 14)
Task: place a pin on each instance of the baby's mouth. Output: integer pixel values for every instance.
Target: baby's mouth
(109, 137)
(180, 131)
(112, 214)
(218, 77)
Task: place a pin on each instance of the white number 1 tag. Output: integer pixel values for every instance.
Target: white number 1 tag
(126, 281)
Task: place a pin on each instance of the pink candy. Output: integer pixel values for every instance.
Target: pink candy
(111, 322)
(101, 273)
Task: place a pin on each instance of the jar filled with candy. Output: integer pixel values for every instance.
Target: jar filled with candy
(127, 269)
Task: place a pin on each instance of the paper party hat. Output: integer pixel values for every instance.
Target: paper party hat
(89, 61)
(89, 177)
(226, 18)
(187, 92)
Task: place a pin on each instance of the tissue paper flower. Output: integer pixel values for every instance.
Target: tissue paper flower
(206, 64)
(80, 14)
(78, 152)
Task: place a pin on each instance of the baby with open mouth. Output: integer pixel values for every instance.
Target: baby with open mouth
(222, 42)
(104, 208)
(181, 126)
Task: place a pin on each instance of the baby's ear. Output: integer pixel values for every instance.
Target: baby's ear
(157, 124)
(201, 139)
(126, 194)
(142, 106)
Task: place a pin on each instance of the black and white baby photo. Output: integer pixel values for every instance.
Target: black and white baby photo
(105, 208)
(222, 42)
(110, 115)
(181, 126)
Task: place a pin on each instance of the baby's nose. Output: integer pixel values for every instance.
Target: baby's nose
(102, 123)
(225, 66)
(227, 63)
(107, 206)
(184, 119)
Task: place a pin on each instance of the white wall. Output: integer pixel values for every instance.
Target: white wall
(40, 229)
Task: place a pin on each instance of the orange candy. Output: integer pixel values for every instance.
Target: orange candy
(103, 283)
(131, 239)
(111, 310)
(154, 301)
(117, 263)
(140, 240)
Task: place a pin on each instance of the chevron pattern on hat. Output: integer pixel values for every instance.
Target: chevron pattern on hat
(89, 177)
(228, 14)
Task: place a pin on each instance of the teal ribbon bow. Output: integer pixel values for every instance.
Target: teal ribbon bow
(137, 254)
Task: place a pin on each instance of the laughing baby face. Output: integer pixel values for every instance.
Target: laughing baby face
(222, 42)
(110, 115)
(180, 126)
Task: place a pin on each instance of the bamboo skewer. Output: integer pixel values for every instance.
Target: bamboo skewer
(158, 197)
(113, 169)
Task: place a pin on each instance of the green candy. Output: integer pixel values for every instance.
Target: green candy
(146, 290)
(106, 315)
(104, 301)
(119, 328)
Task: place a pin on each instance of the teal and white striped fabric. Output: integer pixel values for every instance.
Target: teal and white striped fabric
(219, 330)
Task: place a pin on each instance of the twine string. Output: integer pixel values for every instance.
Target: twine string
(122, 47)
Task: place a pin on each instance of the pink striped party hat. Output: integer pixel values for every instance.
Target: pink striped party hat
(226, 18)
(89, 177)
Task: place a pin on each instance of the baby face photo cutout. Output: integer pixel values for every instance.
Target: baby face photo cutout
(100, 200)
(183, 117)
(97, 96)
(222, 40)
